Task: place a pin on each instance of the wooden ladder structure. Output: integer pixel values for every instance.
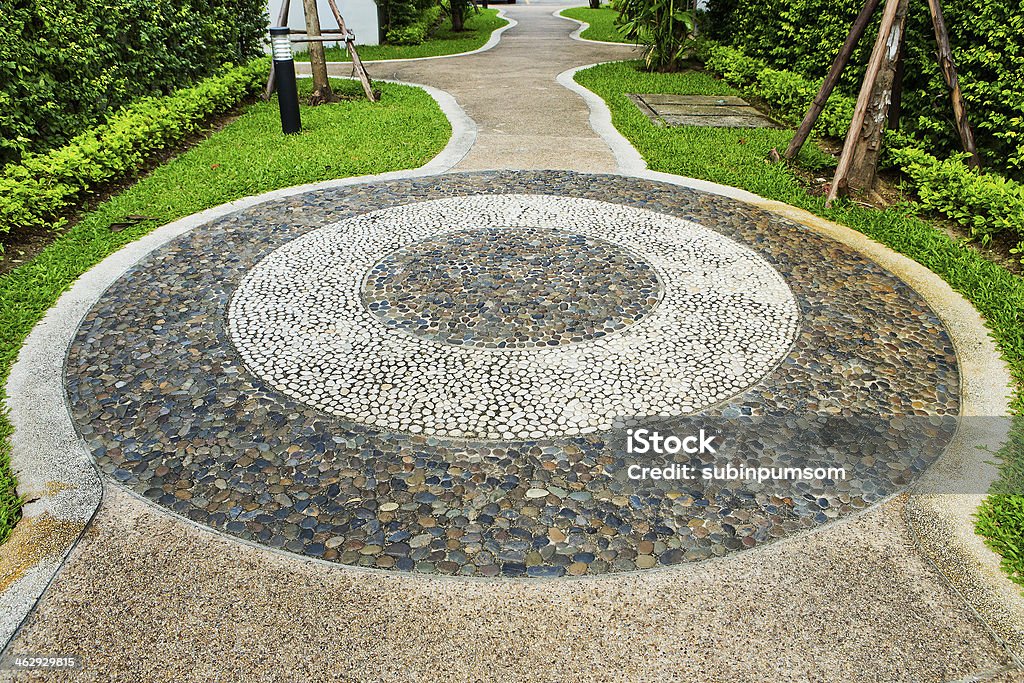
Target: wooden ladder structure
(341, 34)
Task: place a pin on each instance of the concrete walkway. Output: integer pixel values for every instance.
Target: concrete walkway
(148, 596)
(526, 119)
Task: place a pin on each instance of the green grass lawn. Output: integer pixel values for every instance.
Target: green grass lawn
(602, 23)
(737, 158)
(249, 156)
(443, 41)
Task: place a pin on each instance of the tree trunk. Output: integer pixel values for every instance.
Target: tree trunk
(317, 60)
(864, 168)
(858, 164)
(357, 64)
(458, 15)
(896, 108)
(595, 4)
(840, 62)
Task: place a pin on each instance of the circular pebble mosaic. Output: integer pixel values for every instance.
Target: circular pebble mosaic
(511, 288)
(302, 319)
(858, 372)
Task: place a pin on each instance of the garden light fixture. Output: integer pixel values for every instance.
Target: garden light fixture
(284, 73)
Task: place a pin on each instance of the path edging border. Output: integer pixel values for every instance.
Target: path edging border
(52, 467)
(583, 26)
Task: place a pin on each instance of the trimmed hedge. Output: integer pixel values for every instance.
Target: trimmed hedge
(36, 191)
(988, 44)
(415, 32)
(65, 66)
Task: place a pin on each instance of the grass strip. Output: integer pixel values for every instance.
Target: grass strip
(602, 23)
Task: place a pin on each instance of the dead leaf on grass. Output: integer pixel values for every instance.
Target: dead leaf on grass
(129, 221)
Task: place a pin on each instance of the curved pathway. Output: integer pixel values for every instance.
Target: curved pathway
(526, 119)
(488, 491)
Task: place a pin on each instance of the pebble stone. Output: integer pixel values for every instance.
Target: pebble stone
(317, 319)
(506, 288)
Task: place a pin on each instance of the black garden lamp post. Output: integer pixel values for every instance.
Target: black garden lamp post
(284, 74)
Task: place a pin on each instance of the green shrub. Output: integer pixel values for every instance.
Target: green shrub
(34, 192)
(407, 22)
(416, 31)
(988, 44)
(730, 64)
(66, 66)
(788, 94)
(986, 204)
(663, 27)
(458, 12)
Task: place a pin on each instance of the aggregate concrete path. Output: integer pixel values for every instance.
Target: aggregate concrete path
(147, 596)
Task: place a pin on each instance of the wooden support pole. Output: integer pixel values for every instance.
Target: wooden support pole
(948, 67)
(282, 20)
(841, 60)
(896, 108)
(317, 60)
(357, 64)
(858, 164)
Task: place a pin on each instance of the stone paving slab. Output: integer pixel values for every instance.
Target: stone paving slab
(667, 100)
(715, 120)
(700, 110)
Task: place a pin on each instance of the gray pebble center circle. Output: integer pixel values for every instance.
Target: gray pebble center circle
(498, 288)
(725, 319)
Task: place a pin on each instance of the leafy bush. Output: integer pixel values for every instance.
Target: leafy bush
(988, 44)
(788, 94)
(730, 64)
(458, 11)
(36, 191)
(407, 22)
(417, 31)
(985, 204)
(66, 66)
(663, 27)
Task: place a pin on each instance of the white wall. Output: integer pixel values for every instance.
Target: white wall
(360, 18)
